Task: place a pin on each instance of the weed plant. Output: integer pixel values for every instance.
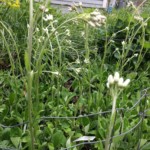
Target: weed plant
(53, 75)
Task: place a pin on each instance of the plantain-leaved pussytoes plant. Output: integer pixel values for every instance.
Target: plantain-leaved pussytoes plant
(115, 84)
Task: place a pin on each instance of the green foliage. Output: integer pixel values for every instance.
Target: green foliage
(65, 85)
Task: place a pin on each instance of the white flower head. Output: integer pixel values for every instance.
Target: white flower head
(39, 40)
(110, 80)
(43, 8)
(107, 84)
(112, 41)
(136, 55)
(91, 23)
(37, 30)
(69, 42)
(127, 28)
(138, 18)
(56, 73)
(86, 60)
(126, 82)
(67, 32)
(77, 61)
(77, 70)
(48, 17)
(96, 19)
(45, 30)
(116, 77)
(82, 33)
(114, 34)
(131, 4)
(123, 43)
(120, 83)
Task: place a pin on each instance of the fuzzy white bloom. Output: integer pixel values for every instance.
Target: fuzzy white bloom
(112, 41)
(136, 54)
(77, 70)
(110, 79)
(91, 23)
(67, 32)
(37, 30)
(107, 84)
(39, 40)
(123, 43)
(77, 61)
(114, 34)
(117, 49)
(87, 61)
(138, 18)
(116, 77)
(56, 73)
(96, 19)
(120, 83)
(126, 82)
(45, 30)
(127, 28)
(82, 33)
(69, 42)
(131, 4)
(43, 8)
(48, 17)
(117, 81)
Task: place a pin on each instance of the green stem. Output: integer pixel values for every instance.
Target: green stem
(86, 41)
(29, 76)
(111, 125)
(30, 108)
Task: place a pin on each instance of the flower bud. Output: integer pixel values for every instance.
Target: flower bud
(126, 82)
(110, 79)
(116, 76)
(120, 82)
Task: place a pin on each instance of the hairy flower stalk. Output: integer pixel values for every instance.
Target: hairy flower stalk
(115, 84)
(30, 75)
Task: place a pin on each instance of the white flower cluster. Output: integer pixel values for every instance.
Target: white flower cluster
(96, 19)
(117, 80)
(131, 4)
(48, 17)
(138, 18)
(43, 8)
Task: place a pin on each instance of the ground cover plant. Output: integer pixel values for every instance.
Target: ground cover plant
(66, 76)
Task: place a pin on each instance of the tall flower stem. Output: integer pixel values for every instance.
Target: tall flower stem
(111, 125)
(30, 75)
(86, 41)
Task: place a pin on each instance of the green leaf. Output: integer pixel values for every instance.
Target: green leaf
(146, 146)
(143, 141)
(86, 128)
(15, 141)
(146, 44)
(68, 143)
(26, 60)
(12, 98)
(58, 138)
